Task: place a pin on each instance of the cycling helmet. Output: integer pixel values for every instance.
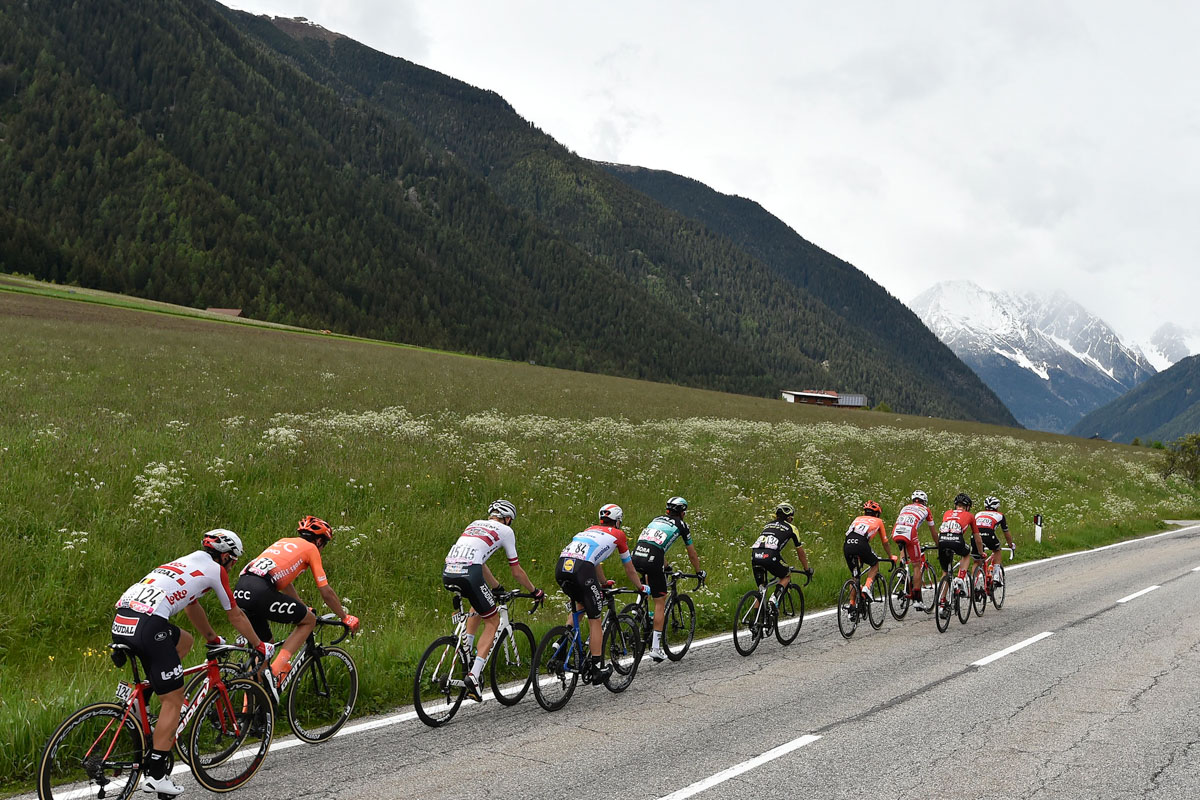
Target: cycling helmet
(612, 513)
(220, 540)
(963, 499)
(991, 503)
(920, 497)
(315, 527)
(677, 504)
(872, 508)
(502, 508)
(784, 510)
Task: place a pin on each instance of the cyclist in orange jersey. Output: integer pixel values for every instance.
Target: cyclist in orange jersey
(858, 543)
(265, 591)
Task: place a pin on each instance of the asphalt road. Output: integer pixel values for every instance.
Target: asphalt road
(1100, 701)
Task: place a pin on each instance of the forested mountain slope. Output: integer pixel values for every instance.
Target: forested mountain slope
(1163, 408)
(184, 152)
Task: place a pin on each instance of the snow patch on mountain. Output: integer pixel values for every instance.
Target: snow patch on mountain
(1170, 344)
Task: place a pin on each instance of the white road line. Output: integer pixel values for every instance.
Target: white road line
(738, 769)
(1195, 569)
(1129, 597)
(1047, 560)
(1006, 651)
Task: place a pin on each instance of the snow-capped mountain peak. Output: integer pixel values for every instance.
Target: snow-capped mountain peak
(1171, 344)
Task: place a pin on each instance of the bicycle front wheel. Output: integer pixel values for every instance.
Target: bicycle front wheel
(510, 664)
(998, 587)
(231, 735)
(96, 752)
(191, 695)
(847, 610)
(979, 596)
(322, 696)
(943, 604)
(747, 625)
(680, 626)
(439, 686)
(623, 647)
(929, 587)
(791, 614)
(641, 619)
(962, 600)
(899, 593)
(877, 608)
(556, 671)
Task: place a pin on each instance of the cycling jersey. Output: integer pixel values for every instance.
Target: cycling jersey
(775, 535)
(857, 547)
(955, 523)
(482, 538)
(284, 561)
(171, 587)
(990, 520)
(663, 531)
(909, 519)
(597, 543)
(866, 526)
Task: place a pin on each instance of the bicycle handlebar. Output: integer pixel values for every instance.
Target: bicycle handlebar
(333, 619)
(806, 573)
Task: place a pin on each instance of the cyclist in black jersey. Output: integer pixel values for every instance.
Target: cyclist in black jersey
(767, 551)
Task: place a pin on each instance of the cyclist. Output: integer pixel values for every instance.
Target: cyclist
(857, 547)
(904, 534)
(767, 550)
(143, 623)
(987, 521)
(466, 572)
(950, 540)
(579, 574)
(266, 592)
(650, 556)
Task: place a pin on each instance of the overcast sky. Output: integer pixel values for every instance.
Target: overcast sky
(1026, 145)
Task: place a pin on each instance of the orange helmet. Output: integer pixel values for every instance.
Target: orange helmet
(872, 508)
(316, 527)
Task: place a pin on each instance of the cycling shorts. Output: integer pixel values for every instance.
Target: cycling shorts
(577, 577)
(467, 580)
(910, 546)
(649, 560)
(153, 639)
(858, 549)
(990, 541)
(765, 562)
(264, 604)
(950, 546)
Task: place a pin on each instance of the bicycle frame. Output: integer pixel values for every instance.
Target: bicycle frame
(135, 702)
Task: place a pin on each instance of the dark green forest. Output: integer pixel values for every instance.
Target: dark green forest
(184, 152)
(1164, 407)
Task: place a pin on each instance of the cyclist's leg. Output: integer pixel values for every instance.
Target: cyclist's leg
(156, 641)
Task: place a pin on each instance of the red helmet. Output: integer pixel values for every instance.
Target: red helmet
(873, 508)
(315, 526)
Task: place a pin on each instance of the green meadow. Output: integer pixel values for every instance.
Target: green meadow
(125, 433)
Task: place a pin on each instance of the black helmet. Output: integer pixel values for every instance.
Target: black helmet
(784, 510)
(963, 499)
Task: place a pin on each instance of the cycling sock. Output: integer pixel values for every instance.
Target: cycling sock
(477, 667)
(597, 662)
(656, 641)
(156, 764)
(282, 662)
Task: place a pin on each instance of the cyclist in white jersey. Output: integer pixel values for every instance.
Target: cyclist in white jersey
(579, 574)
(466, 572)
(904, 533)
(988, 521)
(142, 622)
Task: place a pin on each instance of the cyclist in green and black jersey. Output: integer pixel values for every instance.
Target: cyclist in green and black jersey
(650, 555)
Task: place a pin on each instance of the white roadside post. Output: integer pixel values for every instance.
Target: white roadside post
(1037, 527)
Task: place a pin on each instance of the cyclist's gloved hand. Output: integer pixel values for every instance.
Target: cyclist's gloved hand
(538, 596)
(499, 590)
(610, 583)
(351, 622)
(266, 650)
(645, 588)
(808, 572)
(702, 575)
(219, 640)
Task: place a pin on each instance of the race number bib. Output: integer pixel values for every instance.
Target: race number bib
(576, 550)
(142, 597)
(461, 552)
(261, 567)
(653, 535)
(767, 541)
(951, 528)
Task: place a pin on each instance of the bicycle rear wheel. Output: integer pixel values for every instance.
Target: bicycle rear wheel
(439, 688)
(877, 609)
(962, 600)
(847, 610)
(96, 752)
(899, 590)
(747, 627)
(943, 603)
(510, 664)
(231, 735)
(680, 626)
(322, 695)
(979, 596)
(556, 672)
(790, 614)
(998, 588)
(623, 648)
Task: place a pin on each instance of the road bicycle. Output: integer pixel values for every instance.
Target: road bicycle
(901, 585)
(854, 604)
(440, 683)
(953, 596)
(100, 751)
(563, 656)
(679, 613)
(782, 614)
(985, 584)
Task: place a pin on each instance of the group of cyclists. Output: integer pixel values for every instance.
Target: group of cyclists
(265, 590)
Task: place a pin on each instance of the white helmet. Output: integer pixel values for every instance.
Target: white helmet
(502, 508)
(612, 513)
(221, 540)
(991, 503)
(921, 496)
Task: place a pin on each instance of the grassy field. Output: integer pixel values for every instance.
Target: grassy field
(125, 434)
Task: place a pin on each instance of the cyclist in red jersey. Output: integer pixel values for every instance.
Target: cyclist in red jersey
(950, 538)
(988, 521)
(904, 534)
